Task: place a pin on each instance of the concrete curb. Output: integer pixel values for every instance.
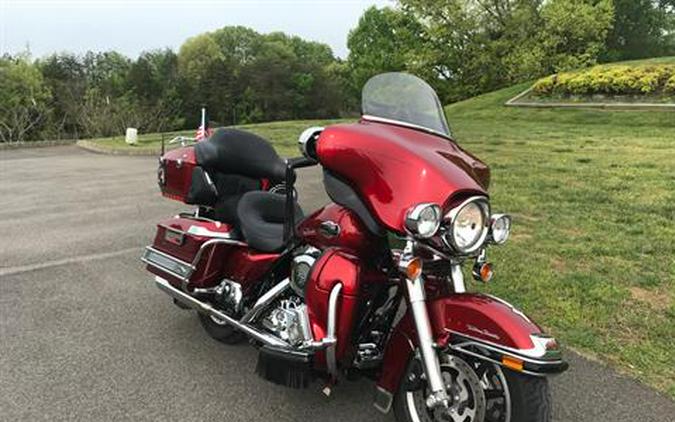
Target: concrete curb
(36, 144)
(102, 149)
(515, 102)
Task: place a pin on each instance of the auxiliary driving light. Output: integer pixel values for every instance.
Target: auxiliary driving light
(500, 228)
(423, 220)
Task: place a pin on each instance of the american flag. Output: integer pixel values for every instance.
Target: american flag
(203, 131)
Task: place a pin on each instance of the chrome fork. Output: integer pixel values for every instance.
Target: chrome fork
(432, 366)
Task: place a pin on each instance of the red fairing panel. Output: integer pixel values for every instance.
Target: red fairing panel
(394, 168)
(473, 315)
(352, 235)
(483, 317)
(333, 267)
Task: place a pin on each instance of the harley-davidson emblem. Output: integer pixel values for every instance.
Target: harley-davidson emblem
(482, 331)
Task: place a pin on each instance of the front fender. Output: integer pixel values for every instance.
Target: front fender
(478, 325)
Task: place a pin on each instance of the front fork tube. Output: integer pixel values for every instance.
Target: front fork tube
(432, 366)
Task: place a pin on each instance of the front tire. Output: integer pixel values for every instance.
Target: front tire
(530, 397)
(491, 393)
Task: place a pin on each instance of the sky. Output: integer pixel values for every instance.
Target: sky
(130, 27)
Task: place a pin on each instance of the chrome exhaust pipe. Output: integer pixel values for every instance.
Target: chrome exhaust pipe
(207, 309)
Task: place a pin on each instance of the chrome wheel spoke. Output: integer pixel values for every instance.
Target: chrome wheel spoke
(467, 400)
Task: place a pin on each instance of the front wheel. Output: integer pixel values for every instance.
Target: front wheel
(479, 391)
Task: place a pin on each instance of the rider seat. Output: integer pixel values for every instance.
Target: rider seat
(261, 217)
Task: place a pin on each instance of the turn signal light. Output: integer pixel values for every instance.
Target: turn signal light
(483, 272)
(413, 268)
(512, 363)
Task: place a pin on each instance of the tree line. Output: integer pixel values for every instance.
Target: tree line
(462, 47)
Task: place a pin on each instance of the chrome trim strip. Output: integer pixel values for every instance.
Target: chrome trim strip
(331, 326)
(528, 355)
(181, 277)
(376, 119)
(487, 359)
(207, 309)
(203, 231)
(166, 255)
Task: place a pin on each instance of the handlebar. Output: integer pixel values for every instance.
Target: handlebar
(299, 162)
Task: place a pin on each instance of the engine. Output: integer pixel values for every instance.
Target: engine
(289, 320)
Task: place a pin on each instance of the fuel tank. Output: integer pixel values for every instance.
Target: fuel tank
(393, 168)
(337, 226)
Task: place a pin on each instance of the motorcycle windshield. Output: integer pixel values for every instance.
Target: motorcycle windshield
(404, 99)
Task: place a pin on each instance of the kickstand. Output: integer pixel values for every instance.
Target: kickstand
(328, 388)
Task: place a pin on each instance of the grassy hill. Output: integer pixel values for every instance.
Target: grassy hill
(592, 193)
(593, 198)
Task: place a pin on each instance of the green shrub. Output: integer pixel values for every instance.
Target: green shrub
(670, 85)
(653, 79)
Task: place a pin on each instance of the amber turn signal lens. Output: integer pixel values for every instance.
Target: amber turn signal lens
(483, 272)
(414, 268)
(512, 363)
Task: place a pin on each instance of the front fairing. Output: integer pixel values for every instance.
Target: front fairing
(393, 167)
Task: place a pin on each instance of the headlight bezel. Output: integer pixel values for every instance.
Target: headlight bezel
(451, 218)
(412, 219)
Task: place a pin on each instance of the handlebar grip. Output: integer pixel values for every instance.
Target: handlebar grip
(299, 162)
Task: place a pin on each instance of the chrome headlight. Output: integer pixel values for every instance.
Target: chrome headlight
(423, 220)
(469, 225)
(500, 228)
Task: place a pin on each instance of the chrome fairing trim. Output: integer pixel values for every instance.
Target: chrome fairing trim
(370, 118)
(537, 355)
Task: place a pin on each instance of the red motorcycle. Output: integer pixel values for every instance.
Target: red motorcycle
(369, 285)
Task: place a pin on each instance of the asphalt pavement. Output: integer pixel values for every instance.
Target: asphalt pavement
(85, 335)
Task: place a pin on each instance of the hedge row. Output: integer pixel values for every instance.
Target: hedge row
(611, 80)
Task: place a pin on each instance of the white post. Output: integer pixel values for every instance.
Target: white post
(204, 119)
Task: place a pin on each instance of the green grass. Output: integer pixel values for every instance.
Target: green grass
(284, 136)
(592, 192)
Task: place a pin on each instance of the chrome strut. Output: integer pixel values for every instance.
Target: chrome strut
(418, 306)
(432, 366)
